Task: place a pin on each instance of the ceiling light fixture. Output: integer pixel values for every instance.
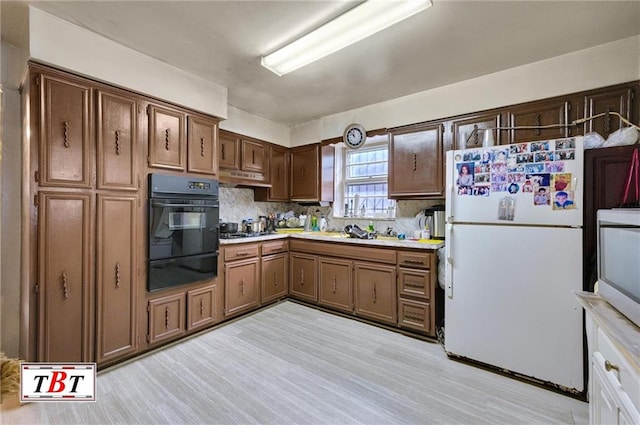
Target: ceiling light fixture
(360, 22)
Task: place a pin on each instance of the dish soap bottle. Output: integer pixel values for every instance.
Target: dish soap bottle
(323, 223)
(370, 227)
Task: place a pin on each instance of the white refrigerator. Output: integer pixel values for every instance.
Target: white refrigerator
(514, 258)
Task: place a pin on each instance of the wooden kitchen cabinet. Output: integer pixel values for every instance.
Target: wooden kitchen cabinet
(228, 150)
(416, 163)
(467, 127)
(534, 114)
(254, 157)
(202, 141)
(65, 277)
(117, 141)
(619, 99)
(304, 276)
(336, 283)
(116, 285)
(167, 146)
(312, 173)
(241, 285)
(166, 318)
(279, 169)
(417, 285)
(65, 131)
(202, 307)
(275, 277)
(375, 292)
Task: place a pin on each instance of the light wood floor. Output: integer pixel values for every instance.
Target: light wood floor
(291, 364)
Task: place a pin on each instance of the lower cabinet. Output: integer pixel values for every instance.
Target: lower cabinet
(202, 307)
(417, 291)
(304, 276)
(166, 318)
(241, 280)
(375, 292)
(336, 283)
(275, 277)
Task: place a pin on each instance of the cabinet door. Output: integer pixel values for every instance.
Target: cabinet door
(241, 286)
(229, 151)
(253, 157)
(414, 283)
(166, 318)
(336, 286)
(275, 277)
(375, 293)
(470, 129)
(304, 173)
(535, 115)
(166, 138)
(65, 277)
(201, 307)
(620, 101)
(65, 133)
(279, 175)
(117, 239)
(416, 164)
(117, 142)
(415, 315)
(203, 146)
(304, 277)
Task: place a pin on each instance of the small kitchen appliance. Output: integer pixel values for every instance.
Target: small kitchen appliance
(435, 221)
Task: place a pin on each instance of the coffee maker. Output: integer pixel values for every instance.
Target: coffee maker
(435, 221)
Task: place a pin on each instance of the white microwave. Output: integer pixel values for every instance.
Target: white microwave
(619, 260)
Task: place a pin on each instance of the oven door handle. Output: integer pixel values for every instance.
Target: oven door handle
(170, 205)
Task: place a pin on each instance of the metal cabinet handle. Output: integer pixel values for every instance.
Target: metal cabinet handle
(415, 162)
(414, 284)
(253, 157)
(610, 366)
(65, 285)
(117, 275)
(222, 150)
(166, 317)
(334, 284)
(202, 146)
(242, 287)
(275, 278)
(536, 122)
(201, 307)
(374, 295)
(301, 277)
(166, 139)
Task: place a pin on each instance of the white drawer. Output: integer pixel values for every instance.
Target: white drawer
(613, 363)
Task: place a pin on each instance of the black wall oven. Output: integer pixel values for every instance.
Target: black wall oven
(183, 230)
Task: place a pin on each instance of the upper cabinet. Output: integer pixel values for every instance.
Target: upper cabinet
(243, 160)
(312, 173)
(278, 176)
(66, 143)
(619, 100)
(202, 137)
(167, 147)
(553, 114)
(117, 141)
(416, 162)
(470, 128)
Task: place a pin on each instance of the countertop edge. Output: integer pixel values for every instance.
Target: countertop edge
(322, 238)
(624, 334)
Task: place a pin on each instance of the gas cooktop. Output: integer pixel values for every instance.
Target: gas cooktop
(239, 235)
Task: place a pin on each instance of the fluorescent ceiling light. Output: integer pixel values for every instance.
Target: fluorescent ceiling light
(360, 22)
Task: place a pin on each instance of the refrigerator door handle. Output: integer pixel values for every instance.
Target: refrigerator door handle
(448, 268)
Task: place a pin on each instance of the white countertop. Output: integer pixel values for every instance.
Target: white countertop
(382, 241)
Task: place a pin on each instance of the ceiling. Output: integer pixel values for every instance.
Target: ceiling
(222, 41)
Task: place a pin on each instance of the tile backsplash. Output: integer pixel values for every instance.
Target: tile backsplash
(237, 204)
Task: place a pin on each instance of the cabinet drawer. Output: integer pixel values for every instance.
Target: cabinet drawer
(415, 259)
(414, 283)
(414, 315)
(241, 251)
(275, 247)
(627, 377)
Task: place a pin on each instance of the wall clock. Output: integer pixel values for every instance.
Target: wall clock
(354, 136)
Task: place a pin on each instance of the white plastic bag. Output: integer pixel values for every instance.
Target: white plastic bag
(593, 140)
(624, 136)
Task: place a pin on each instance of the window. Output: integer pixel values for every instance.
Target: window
(365, 178)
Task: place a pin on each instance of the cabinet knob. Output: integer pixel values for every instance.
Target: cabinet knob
(610, 366)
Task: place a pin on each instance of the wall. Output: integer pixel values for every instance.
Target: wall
(13, 61)
(60, 43)
(600, 66)
(251, 125)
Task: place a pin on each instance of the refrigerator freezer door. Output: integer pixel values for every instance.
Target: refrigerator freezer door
(511, 304)
(474, 208)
